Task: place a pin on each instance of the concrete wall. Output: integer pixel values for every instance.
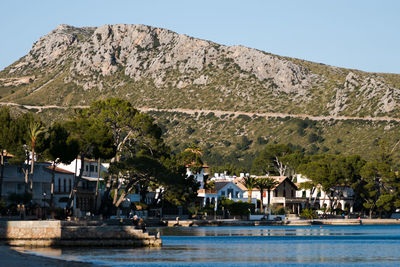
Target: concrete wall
(57, 233)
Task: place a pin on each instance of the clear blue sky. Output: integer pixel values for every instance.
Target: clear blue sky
(361, 34)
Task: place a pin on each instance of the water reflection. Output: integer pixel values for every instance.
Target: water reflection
(254, 246)
(257, 231)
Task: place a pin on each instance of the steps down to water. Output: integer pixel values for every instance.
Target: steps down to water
(60, 233)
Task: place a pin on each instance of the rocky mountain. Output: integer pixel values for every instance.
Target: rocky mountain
(158, 68)
(209, 94)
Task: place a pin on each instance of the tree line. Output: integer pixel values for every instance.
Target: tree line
(376, 183)
(111, 130)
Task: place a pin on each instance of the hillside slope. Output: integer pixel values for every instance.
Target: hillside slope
(158, 68)
(205, 93)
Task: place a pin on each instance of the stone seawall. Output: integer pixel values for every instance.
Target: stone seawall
(195, 223)
(58, 233)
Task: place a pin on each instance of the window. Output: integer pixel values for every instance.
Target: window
(292, 193)
(65, 185)
(91, 168)
(96, 168)
(222, 193)
(69, 185)
(87, 168)
(304, 194)
(230, 192)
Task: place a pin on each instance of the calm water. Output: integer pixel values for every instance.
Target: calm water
(254, 246)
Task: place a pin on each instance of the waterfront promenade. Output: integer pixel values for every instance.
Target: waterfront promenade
(231, 222)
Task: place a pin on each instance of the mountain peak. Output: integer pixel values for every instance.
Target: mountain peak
(158, 67)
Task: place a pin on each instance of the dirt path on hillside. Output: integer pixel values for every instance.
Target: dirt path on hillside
(270, 115)
(219, 113)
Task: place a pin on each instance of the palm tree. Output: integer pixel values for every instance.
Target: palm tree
(195, 161)
(250, 184)
(269, 185)
(265, 184)
(34, 130)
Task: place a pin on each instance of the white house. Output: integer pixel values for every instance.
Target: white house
(223, 189)
(230, 190)
(343, 199)
(201, 176)
(85, 198)
(90, 167)
(14, 182)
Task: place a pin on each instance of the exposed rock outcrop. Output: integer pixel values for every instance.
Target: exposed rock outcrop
(123, 56)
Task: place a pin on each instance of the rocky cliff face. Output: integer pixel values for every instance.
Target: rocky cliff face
(155, 67)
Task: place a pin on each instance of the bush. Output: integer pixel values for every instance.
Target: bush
(244, 143)
(262, 141)
(20, 198)
(308, 214)
(210, 115)
(189, 130)
(301, 132)
(278, 209)
(226, 143)
(244, 117)
(237, 208)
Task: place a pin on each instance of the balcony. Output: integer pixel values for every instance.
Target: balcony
(278, 200)
(282, 200)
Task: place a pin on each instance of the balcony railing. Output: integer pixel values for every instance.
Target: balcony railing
(281, 200)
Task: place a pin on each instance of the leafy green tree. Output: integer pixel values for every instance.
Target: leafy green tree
(236, 208)
(277, 159)
(327, 171)
(379, 183)
(5, 140)
(332, 174)
(178, 188)
(137, 140)
(95, 140)
(353, 165)
(60, 148)
(131, 130)
(377, 178)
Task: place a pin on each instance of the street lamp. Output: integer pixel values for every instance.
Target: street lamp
(43, 208)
